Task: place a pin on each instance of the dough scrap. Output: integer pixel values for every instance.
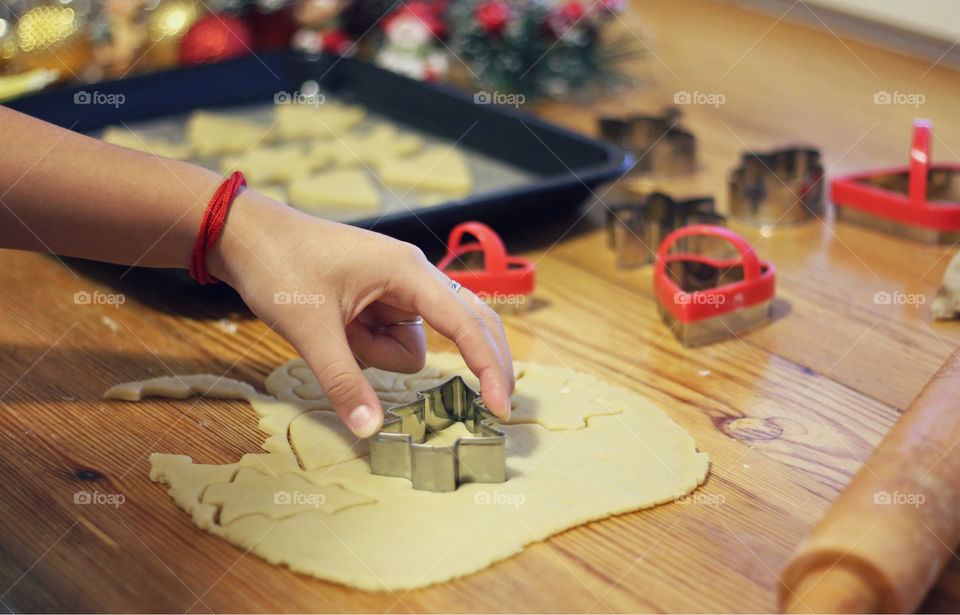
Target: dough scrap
(608, 451)
(213, 134)
(124, 137)
(340, 189)
(269, 164)
(297, 121)
(435, 169)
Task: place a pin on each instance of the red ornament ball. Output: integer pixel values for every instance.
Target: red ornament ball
(336, 42)
(215, 38)
(493, 16)
(572, 11)
(564, 17)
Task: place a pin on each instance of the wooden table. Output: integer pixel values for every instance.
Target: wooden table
(787, 413)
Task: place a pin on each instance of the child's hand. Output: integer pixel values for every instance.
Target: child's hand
(334, 291)
(341, 294)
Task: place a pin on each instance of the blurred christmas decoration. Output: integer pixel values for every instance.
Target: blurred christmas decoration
(52, 37)
(411, 47)
(361, 18)
(126, 36)
(320, 30)
(527, 47)
(166, 24)
(273, 28)
(8, 41)
(535, 48)
(215, 38)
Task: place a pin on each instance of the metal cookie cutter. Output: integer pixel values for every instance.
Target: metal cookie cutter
(398, 449)
(920, 201)
(658, 143)
(780, 187)
(704, 298)
(636, 224)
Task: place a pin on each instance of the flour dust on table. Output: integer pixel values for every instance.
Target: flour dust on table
(578, 450)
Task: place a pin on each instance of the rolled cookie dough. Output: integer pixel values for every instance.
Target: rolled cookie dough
(578, 450)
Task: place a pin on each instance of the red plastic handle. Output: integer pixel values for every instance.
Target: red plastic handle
(502, 274)
(919, 161)
(751, 265)
(494, 252)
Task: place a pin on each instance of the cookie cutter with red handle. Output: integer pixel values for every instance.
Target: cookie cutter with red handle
(920, 201)
(501, 276)
(704, 298)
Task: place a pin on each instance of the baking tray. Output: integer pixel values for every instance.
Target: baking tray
(553, 169)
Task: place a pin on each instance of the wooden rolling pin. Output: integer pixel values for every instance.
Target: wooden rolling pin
(884, 541)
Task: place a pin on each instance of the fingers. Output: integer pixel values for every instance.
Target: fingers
(495, 324)
(455, 318)
(325, 349)
(380, 314)
(395, 348)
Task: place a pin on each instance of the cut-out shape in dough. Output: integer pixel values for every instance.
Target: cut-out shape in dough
(277, 497)
(434, 169)
(599, 459)
(338, 189)
(325, 434)
(124, 137)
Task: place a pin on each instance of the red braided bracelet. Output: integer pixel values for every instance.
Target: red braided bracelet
(211, 226)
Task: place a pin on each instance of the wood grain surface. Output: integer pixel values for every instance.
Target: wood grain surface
(787, 412)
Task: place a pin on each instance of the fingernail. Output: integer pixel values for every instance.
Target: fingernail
(363, 421)
(508, 407)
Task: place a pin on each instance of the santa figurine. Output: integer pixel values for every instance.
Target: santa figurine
(410, 47)
(320, 31)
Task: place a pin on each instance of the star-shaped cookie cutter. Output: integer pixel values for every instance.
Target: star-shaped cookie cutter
(399, 449)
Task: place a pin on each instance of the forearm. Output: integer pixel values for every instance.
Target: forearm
(73, 195)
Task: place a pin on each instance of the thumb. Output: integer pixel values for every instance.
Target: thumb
(328, 354)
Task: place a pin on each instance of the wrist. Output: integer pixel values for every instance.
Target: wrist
(243, 236)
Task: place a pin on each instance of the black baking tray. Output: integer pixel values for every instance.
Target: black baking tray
(564, 166)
